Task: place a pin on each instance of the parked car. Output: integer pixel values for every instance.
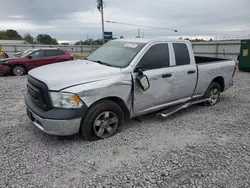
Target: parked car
(120, 80)
(19, 54)
(20, 65)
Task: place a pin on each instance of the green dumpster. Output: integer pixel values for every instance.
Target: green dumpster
(244, 57)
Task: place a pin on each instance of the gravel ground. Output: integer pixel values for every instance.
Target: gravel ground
(197, 147)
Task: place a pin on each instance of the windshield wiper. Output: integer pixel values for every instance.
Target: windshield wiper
(102, 63)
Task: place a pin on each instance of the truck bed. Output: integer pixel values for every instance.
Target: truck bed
(207, 71)
(203, 59)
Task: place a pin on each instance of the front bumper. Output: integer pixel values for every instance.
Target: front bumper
(4, 69)
(57, 121)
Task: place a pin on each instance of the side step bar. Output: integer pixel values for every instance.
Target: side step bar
(174, 109)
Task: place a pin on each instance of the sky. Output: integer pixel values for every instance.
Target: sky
(73, 20)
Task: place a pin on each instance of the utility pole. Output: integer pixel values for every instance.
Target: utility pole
(100, 8)
(139, 35)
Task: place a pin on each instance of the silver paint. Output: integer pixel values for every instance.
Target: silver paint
(57, 127)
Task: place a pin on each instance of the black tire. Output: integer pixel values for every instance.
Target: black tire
(18, 70)
(212, 100)
(88, 129)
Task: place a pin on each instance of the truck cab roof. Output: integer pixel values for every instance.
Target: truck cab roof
(149, 40)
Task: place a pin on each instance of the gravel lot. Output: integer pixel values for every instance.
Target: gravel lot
(197, 147)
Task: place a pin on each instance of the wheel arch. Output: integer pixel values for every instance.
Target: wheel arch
(118, 101)
(220, 80)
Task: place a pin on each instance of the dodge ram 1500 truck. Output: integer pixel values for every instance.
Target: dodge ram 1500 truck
(122, 79)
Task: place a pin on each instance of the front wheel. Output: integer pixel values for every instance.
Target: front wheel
(18, 70)
(102, 120)
(212, 94)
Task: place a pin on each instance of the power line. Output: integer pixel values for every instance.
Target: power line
(151, 27)
(216, 21)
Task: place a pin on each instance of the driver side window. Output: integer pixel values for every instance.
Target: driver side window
(37, 54)
(156, 57)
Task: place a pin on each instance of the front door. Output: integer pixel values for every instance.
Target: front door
(35, 60)
(155, 64)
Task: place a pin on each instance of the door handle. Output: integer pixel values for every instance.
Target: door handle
(191, 72)
(166, 75)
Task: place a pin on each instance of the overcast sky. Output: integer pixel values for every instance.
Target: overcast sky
(71, 20)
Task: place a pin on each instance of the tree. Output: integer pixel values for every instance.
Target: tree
(79, 42)
(46, 39)
(10, 34)
(3, 35)
(98, 42)
(64, 43)
(121, 37)
(198, 40)
(27, 37)
(89, 42)
(13, 34)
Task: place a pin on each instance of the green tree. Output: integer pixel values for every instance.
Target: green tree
(27, 37)
(46, 39)
(3, 35)
(79, 43)
(13, 34)
(64, 43)
(10, 34)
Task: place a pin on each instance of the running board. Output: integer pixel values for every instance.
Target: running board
(177, 108)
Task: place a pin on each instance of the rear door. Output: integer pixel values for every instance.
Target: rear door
(185, 72)
(51, 56)
(62, 55)
(156, 65)
(36, 60)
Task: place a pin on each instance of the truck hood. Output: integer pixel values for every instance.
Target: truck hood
(59, 76)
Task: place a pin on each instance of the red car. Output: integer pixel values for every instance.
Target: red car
(20, 65)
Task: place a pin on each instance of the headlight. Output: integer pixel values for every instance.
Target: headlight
(3, 62)
(65, 100)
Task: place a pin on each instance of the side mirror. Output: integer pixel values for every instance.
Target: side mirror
(30, 56)
(143, 80)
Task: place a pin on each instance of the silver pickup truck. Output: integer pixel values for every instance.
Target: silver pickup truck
(123, 79)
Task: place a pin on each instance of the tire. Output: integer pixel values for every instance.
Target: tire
(100, 118)
(18, 70)
(212, 94)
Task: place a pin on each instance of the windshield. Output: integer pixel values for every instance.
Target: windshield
(116, 53)
(26, 52)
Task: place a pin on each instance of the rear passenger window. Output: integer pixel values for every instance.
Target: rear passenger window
(181, 54)
(156, 57)
(49, 53)
(60, 52)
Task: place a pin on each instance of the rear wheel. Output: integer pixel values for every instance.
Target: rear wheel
(103, 120)
(18, 70)
(212, 94)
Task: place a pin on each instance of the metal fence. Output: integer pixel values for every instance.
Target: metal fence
(225, 49)
(10, 49)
